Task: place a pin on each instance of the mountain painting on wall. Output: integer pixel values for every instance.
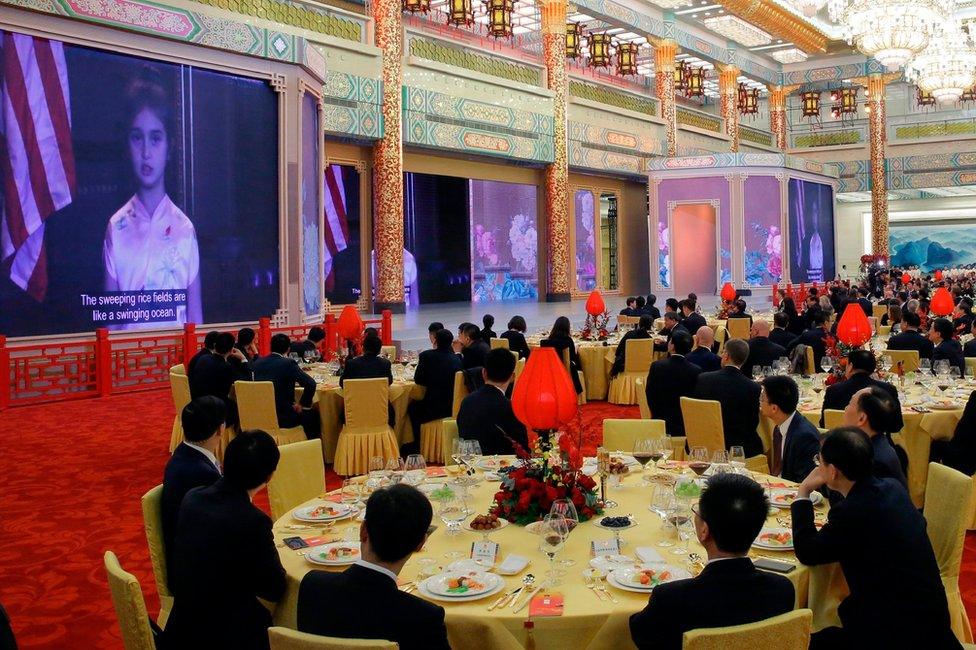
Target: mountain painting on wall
(931, 247)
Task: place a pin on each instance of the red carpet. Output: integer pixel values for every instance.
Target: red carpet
(72, 476)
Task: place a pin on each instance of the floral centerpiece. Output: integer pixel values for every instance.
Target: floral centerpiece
(596, 328)
(838, 350)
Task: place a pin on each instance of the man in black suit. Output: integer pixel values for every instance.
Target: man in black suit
(909, 338)
(642, 331)
(209, 341)
(738, 395)
(730, 590)
(946, 347)
(779, 335)
(310, 345)
(865, 302)
(738, 310)
(691, 320)
(486, 415)
(668, 381)
(225, 557)
(193, 463)
(762, 351)
(672, 324)
(214, 374)
(701, 354)
(815, 338)
(631, 308)
(370, 365)
(796, 441)
(432, 331)
(284, 373)
(897, 599)
(472, 348)
(861, 364)
(435, 372)
(363, 602)
(649, 307)
(870, 410)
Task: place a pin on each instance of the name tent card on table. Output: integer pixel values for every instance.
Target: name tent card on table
(600, 547)
(485, 551)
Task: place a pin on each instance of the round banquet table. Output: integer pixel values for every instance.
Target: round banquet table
(596, 358)
(587, 622)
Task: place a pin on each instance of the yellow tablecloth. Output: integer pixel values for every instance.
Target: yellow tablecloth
(587, 622)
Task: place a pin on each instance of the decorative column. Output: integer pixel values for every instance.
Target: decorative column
(878, 136)
(777, 115)
(388, 163)
(557, 174)
(664, 61)
(728, 90)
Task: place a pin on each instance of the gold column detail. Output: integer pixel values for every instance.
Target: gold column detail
(388, 161)
(557, 174)
(777, 115)
(877, 134)
(728, 91)
(664, 59)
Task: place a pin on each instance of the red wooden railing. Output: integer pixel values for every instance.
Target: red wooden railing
(103, 365)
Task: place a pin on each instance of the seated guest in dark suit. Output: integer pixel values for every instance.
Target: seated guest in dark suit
(641, 305)
(897, 599)
(631, 308)
(738, 310)
(516, 337)
(247, 343)
(284, 373)
(432, 331)
(370, 365)
(486, 414)
(865, 302)
(225, 557)
(701, 353)
(214, 374)
(814, 338)
(310, 345)
(435, 372)
(671, 304)
(672, 324)
(739, 396)
(561, 339)
(762, 351)
(649, 307)
(209, 341)
(193, 463)
(668, 381)
(909, 338)
(690, 319)
(779, 334)
(364, 602)
(642, 331)
(946, 347)
(969, 349)
(861, 364)
(962, 316)
(796, 442)
(730, 590)
(473, 349)
(959, 452)
(870, 411)
(487, 334)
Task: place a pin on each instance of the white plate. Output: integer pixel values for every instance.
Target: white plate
(942, 406)
(422, 590)
(626, 459)
(467, 526)
(608, 563)
(314, 554)
(778, 498)
(342, 510)
(492, 463)
(759, 543)
(628, 577)
(438, 585)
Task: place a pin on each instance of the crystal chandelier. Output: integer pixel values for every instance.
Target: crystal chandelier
(947, 66)
(891, 31)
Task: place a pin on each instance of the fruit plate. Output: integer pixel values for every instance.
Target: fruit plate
(775, 539)
(501, 524)
(633, 522)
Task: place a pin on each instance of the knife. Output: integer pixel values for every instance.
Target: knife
(528, 597)
(505, 598)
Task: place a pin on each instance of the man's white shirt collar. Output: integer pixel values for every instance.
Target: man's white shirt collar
(205, 452)
(375, 567)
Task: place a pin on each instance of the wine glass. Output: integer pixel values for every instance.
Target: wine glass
(720, 459)
(925, 365)
(394, 469)
(757, 372)
(552, 538)
(455, 469)
(886, 362)
(564, 508)
(737, 458)
(680, 519)
(645, 450)
(768, 371)
(453, 512)
(309, 356)
(699, 460)
(470, 450)
(352, 492)
(663, 504)
(827, 363)
(415, 469)
(664, 446)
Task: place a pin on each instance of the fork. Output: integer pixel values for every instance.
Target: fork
(588, 581)
(603, 588)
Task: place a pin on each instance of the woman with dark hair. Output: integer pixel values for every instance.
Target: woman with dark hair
(247, 343)
(892, 318)
(788, 307)
(487, 334)
(516, 337)
(561, 339)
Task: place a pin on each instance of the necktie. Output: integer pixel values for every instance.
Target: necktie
(777, 467)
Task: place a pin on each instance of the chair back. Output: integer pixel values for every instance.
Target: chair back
(178, 369)
(810, 363)
(179, 386)
(152, 521)
(790, 630)
(622, 435)
(300, 476)
(833, 418)
(283, 638)
(519, 366)
(739, 328)
(460, 392)
(388, 352)
(499, 343)
(130, 606)
(627, 321)
(971, 366)
(884, 330)
(638, 355)
(645, 408)
(908, 358)
(874, 323)
(703, 423)
(256, 405)
(878, 311)
(366, 402)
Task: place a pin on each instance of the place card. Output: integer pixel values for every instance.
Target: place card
(318, 540)
(546, 604)
(600, 547)
(484, 552)
(436, 472)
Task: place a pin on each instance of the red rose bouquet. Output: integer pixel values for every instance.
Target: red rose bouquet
(596, 328)
(839, 351)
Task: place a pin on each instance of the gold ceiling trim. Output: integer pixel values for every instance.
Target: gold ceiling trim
(776, 20)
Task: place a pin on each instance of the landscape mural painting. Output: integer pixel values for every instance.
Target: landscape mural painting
(932, 246)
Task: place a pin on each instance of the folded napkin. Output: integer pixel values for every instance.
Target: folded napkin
(648, 555)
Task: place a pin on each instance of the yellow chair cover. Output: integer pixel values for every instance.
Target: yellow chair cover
(300, 476)
(256, 407)
(811, 366)
(179, 386)
(581, 399)
(645, 408)
(909, 359)
(366, 432)
(499, 343)
(283, 638)
(430, 441)
(884, 330)
(971, 366)
(678, 444)
(874, 323)
(703, 423)
(623, 387)
(130, 606)
(460, 392)
(627, 321)
(152, 521)
(833, 418)
(948, 502)
(721, 335)
(519, 366)
(879, 310)
(758, 464)
(622, 435)
(738, 328)
(389, 352)
(449, 433)
(790, 630)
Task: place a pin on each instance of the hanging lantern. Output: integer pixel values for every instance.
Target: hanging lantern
(350, 324)
(695, 82)
(845, 102)
(924, 99)
(680, 76)
(938, 275)
(854, 328)
(748, 100)
(460, 13)
(942, 303)
(905, 278)
(594, 304)
(728, 292)
(626, 59)
(499, 14)
(415, 6)
(599, 50)
(544, 398)
(574, 39)
(810, 102)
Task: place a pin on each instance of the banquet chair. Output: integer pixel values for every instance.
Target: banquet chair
(179, 386)
(283, 638)
(431, 434)
(389, 352)
(679, 445)
(581, 398)
(971, 366)
(884, 330)
(499, 343)
(909, 359)
(130, 606)
(623, 387)
(833, 418)
(739, 328)
(811, 366)
(300, 476)
(947, 511)
(627, 321)
(152, 521)
(703, 423)
(878, 311)
(758, 464)
(721, 336)
(645, 408)
(460, 392)
(519, 367)
(622, 435)
(367, 432)
(256, 406)
(789, 630)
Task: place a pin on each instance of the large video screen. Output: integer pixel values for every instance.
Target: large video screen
(135, 194)
(504, 241)
(311, 176)
(811, 231)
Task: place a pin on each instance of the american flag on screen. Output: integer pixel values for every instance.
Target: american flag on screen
(37, 161)
(336, 231)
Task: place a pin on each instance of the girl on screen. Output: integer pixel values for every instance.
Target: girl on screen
(149, 243)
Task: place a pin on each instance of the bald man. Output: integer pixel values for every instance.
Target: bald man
(762, 351)
(702, 356)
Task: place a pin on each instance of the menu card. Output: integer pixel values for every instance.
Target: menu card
(485, 552)
(546, 604)
(600, 547)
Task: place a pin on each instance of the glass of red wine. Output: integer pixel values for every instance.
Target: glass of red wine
(699, 460)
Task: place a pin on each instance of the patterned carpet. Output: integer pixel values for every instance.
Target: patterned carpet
(72, 475)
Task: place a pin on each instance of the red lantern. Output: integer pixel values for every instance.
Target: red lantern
(905, 278)
(854, 328)
(595, 305)
(350, 325)
(728, 292)
(544, 398)
(775, 294)
(942, 303)
(938, 275)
